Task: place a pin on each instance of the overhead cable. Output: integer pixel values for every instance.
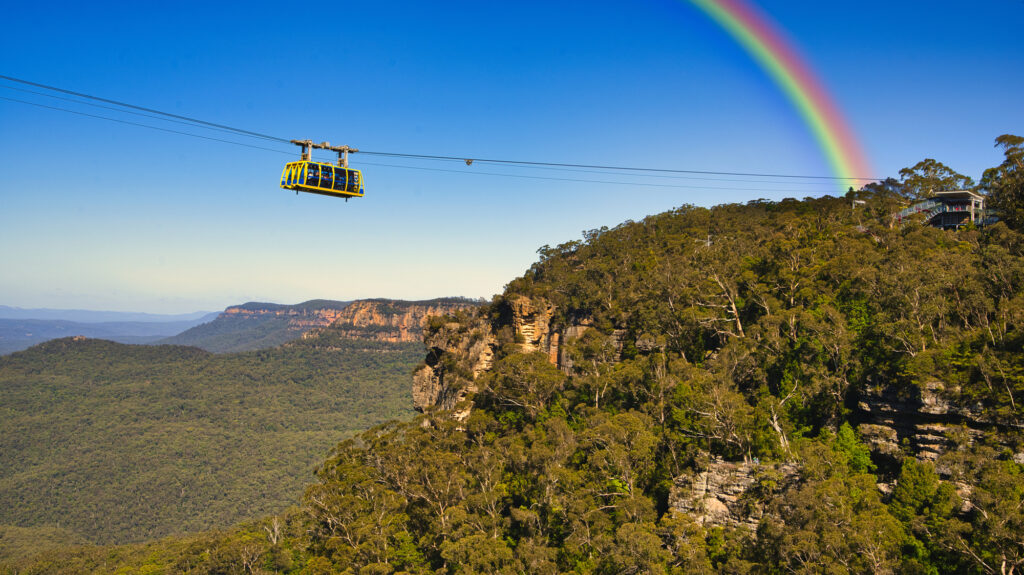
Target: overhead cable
(142, 125)
(644, 171)
(601, 167)
(150, 110)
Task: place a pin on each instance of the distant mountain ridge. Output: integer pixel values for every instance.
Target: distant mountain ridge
(17, 334)
(90, 316)
(290, 309)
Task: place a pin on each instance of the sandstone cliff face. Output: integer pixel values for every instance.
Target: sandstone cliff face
(299, 318)
(390, 320)
(728, 494)
(919, 421)
(461, 350)
(531, 323)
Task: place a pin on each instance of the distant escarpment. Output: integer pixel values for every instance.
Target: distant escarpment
(255, 325)
(385, 320)
(301, 317)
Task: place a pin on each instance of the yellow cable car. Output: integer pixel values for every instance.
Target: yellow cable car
(322, 178)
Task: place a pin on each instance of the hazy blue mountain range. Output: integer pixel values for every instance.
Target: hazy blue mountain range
(17, 334)
(89, 316)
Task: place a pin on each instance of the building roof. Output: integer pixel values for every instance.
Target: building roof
(958, 195)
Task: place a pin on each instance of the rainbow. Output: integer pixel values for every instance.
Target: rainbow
(781, 62)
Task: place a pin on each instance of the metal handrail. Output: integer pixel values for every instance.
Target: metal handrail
(918, 208)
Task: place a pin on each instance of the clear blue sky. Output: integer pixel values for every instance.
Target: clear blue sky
(101, 215)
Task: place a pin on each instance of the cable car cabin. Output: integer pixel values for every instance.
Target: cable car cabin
(321, 178)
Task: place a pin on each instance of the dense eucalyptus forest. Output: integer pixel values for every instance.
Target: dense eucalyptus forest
(749, 337)
(111, 443)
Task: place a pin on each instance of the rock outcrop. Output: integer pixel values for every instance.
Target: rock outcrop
(531, 323)
(460, 349)
(919, 421)
(730, 494)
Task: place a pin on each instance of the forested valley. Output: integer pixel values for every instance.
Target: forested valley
(758, 342)
(103, 442)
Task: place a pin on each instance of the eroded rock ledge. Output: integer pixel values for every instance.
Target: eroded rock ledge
(730, 494)
(920, 421)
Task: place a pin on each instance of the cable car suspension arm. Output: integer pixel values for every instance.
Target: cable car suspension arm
(308, 145)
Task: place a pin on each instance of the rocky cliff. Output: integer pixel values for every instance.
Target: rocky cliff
(922, 421)
(462, 347)
(300, 318)
(257, 325)
(393, 321)
(730, 494)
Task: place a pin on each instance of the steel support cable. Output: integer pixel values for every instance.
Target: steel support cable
(440, 157)
(145, 125)
(464, 172)
(119, 110)
(644, 184)
(592, 166)
(150, 110)
(665, 176)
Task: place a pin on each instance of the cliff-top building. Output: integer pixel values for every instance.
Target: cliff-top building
(951, 210)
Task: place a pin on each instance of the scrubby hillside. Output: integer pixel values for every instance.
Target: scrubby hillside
(684, 392)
